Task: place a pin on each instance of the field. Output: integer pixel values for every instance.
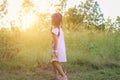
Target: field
(91, 54)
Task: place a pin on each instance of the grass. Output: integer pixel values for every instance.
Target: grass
(76, 72)
(92, 55)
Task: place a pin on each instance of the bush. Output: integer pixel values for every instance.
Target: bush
(9, 44)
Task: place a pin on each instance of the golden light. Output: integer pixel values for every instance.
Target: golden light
(13, 9)
(41, 5)
(45, 5)
(28, 20)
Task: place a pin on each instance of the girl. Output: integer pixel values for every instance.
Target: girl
(58, 46)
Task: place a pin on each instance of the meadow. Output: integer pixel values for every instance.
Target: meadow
(91, 55)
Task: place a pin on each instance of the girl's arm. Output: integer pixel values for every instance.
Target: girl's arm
(55, 41)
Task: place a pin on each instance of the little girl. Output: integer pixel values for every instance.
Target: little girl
(58, 46)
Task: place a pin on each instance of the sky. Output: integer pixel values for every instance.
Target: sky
(110, 8)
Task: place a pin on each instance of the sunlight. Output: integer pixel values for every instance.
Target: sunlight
(28, 20)
(13, 9)
(41, 5)
(45, 5)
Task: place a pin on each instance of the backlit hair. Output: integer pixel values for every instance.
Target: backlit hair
(56, 19)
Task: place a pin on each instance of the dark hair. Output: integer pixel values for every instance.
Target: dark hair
(56, 19)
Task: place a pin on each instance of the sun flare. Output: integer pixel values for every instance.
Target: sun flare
(28, 20)
(15, 8)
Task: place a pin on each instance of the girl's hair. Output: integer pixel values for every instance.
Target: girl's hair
(56, 19)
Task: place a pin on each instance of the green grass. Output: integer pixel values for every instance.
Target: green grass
(92, 55)
(74, 72)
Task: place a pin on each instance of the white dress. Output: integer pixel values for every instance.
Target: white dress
(61, 45)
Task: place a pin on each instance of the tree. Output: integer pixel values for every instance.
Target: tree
(92, 13)
(3, 9)
(118, 22)
(27, 3)
(112, 24)
(109, 24)
(27, 12)
(73, 18)
(9, 44)
(31, 18)
(26, 7)
(60, 6)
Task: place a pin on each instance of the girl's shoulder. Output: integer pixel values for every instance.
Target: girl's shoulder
(55, 31)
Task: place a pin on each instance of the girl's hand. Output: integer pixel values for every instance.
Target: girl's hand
(56, 55)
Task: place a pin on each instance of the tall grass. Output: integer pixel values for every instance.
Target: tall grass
(94, 48)
(97, 49)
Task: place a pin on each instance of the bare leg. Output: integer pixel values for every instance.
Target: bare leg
(55, 71)
(58, 67)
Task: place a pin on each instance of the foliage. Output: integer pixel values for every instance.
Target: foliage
(60, 6)
(31, 18)
(72, 17)
(3, 9)
(91, 54)
(92, 13)
(86, 15)
(112, 25)
(27, 3)
(118, 22)
(9, 44)
(109, 24)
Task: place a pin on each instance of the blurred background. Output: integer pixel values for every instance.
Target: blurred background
(91, 31)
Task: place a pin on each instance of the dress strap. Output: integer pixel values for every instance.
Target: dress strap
(58, 31)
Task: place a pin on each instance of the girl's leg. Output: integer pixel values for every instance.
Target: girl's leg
(55, 71)
(58, 67)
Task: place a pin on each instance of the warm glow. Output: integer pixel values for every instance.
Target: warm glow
(41, 5)
(45, 5)
(14, 7)
(28, 20)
